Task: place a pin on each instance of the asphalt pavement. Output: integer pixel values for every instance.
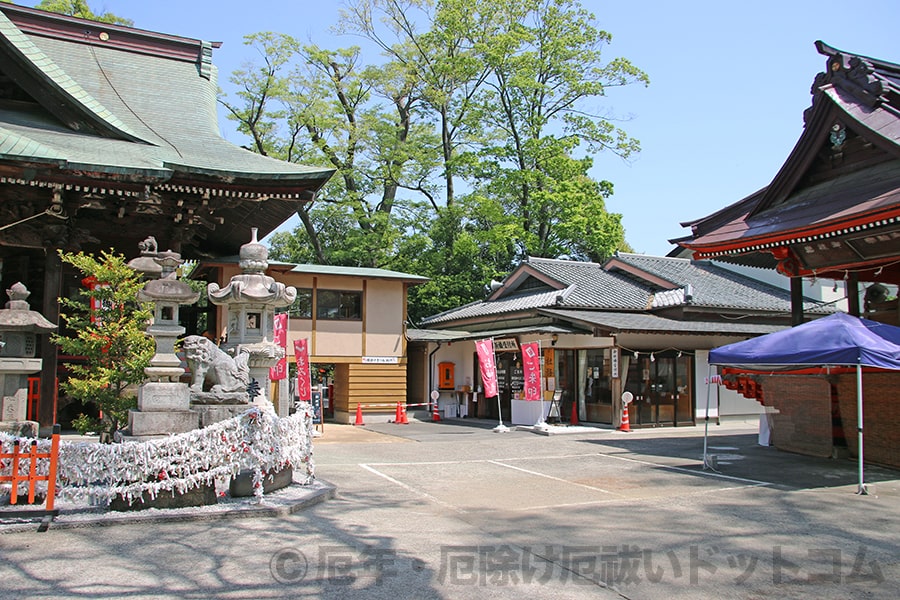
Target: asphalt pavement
(456, 510)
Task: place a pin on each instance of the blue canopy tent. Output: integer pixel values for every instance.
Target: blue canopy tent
(835, 340)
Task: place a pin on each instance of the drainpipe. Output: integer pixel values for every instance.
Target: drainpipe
(431, 370)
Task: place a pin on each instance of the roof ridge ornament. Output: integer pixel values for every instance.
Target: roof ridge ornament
(851, 73)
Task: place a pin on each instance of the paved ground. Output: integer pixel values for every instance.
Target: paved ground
(454, 510)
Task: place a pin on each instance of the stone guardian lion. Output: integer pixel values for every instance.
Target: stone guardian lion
(211, 365)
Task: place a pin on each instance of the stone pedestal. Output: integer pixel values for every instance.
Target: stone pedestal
(142, 424)
(156, 396)
(163, 408)
(213, 413)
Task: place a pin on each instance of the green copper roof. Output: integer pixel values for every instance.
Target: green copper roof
(369, 272)
(14, 145)
(55, 76)
(156, 114)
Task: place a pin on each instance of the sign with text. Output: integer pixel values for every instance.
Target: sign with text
(279, 336)
(531, 364)
(506, 345)
(301, 353)
(485, 350)
(614, 363)
(380, 360)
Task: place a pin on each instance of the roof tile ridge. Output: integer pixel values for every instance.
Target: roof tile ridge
(562, 260)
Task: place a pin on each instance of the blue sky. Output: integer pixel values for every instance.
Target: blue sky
(729, 83)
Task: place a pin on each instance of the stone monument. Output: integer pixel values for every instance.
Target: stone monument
(250, 300)
(163, 400)
(19, 326)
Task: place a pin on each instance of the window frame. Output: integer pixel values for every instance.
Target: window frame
(349, 305)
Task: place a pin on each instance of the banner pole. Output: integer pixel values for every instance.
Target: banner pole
(709, 383)
(541, 423)
(501, 428)
(859, 428)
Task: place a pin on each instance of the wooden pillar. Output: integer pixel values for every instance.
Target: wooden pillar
(852, 284)
(796, 301)
(49, 351)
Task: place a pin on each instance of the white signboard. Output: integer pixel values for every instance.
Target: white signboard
(506, 345)
(381, 360)
(614, 363)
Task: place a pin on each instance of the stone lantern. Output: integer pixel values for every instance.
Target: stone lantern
(19, 327)
(250, 300)
(163, 401)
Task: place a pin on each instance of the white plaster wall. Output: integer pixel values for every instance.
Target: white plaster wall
(731, 405)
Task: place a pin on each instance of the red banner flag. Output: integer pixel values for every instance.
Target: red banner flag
(301, 352)
(531, 365)
(485, 349)
(279, 336)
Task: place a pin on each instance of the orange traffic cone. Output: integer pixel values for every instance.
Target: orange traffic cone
(403, 418)
(625, 426)
(359, 418)
(574, 419)
(435, 414)
(397, 413)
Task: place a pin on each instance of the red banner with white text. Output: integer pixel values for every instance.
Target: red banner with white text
(279, 336)
(301, 352)
(485, 350)
(531, 365)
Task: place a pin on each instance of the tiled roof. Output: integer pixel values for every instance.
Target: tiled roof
(454, 335)
(591, 286)
(509, 305)
(712, 286)
(643, 322)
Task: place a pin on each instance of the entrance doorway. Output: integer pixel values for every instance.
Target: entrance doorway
(662, 389)
(585, 377)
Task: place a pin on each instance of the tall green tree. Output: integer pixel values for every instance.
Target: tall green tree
(80, 8)
(106, 325)
(490, 106)
(449, 73)
(355, 118)
(547, 74)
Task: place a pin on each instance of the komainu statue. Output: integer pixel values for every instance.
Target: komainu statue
(227, 377)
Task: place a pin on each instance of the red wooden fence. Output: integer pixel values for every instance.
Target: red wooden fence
(16, 456)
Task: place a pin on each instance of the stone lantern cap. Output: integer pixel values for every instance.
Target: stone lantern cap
(252, 285)
(18, 316)
(168, 288)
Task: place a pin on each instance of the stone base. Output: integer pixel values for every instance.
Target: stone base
(161, 423)
(204, 495)
(210, 414)
(27, 429)
(242, 484)
(157, 396)
(219, 398)
(14, 407)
